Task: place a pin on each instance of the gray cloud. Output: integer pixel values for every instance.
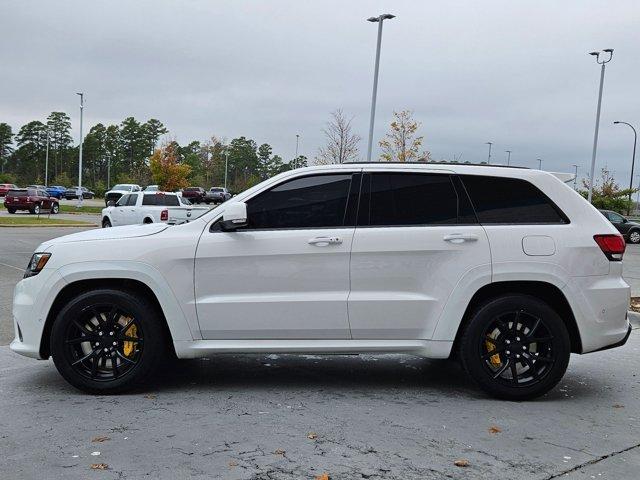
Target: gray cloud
(515, 73)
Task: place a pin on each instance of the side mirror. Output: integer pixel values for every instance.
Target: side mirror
(111, 203)
(624, 220)
(234, 217)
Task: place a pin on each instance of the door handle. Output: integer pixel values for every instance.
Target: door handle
(460, 237)
(324, 241)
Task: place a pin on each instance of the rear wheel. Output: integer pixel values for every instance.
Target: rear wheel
(107, 341)
(634, 236)
(36, 210)
(11, 210)
(55, 208)
(106, 223)
(515, 347)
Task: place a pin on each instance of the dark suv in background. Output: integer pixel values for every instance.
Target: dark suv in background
(195, 194)
(33, 199)
(630, 230)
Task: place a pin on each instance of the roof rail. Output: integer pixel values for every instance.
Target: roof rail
(438, 163)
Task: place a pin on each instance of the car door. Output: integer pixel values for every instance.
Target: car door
(416, 238)
(118, 215)
(286, 275)
(130, 211)
(45, 201)
(619, 222)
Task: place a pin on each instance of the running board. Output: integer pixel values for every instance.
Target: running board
(203, 348)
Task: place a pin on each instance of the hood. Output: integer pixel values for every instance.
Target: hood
(127, 231)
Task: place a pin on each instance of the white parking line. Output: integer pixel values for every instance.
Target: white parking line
(12, 266)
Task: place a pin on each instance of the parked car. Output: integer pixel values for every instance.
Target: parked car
(5, 187)
(217, 195)
(151, 188)
(72, 193)
(149, 207)
(32, 199)
(507, 268)
(57, 191)
(119, 190)
(40, 187)
(195, 194)
(630, 230)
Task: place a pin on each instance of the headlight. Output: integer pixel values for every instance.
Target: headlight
(36, 264)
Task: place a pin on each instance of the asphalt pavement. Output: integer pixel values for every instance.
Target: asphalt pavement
(300, 416)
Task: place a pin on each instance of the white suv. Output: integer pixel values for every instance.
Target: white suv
(507, 269)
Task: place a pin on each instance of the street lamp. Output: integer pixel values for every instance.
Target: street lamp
(508, 157)
(489, 157)
(226, 166)
(380, 19)
(575, 178)
(633, 157)
(46, 163)
(79, 191)
(295, 164)
(607, 54)
(539, 163)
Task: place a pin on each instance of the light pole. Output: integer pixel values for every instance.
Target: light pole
(380, 19)
(46, 163)
(633, 157)
(489, 157)
(79, 191)
(539, 163)
(608, 51)
(575, 178)
(109, 170)
(638, 192)
(508, 157)
(226, 167)
(295, 162)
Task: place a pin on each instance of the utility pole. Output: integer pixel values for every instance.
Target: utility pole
(379, 19)
(633, 157)
(46, 163)
(295, 162)
(575, 178)
(79, 191)
(539, 163)
(226, 166)
(609, 51)
(508, 157)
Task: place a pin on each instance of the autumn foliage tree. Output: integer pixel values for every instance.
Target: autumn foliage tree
(166, 169)
(607, 195)
(401, 143)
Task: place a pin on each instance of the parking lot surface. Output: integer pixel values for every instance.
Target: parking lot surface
(297, 417)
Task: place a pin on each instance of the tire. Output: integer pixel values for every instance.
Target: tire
(35, 209)
(89, 366)
(11, 210)
(55, 208)
(147, 221)
(106, 223)
(634, 237)
(539, 366)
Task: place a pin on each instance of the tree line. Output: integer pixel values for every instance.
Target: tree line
(125, 152)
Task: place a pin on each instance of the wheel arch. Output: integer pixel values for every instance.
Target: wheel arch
(544, 291)
(148, 219)
(76, 288)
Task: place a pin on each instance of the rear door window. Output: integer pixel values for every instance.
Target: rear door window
(405, 198)
(133, 198)
(501, 200)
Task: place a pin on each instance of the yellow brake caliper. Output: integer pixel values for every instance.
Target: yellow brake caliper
(494, 359)
(132, 332)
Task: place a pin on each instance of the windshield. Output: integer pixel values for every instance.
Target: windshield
(121, 187)
(217, 189)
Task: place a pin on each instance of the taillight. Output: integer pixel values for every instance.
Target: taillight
(164, 215)
(611, 245)
(28, 199)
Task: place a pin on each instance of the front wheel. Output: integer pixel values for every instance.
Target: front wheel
(634, 236)
(515, 347)
(107, 341)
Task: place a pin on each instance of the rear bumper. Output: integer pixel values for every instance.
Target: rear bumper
(619, 343)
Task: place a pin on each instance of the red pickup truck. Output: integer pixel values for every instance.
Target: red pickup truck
(32, 199)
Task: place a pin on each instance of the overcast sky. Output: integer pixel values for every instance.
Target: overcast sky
(515, 73)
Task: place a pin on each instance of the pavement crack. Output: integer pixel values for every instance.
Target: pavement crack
(592, 462)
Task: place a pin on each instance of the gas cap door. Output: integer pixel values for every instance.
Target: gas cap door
(538, 245)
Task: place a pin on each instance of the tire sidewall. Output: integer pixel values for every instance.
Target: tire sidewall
(631, 233)
(471, 342)
(153, 334)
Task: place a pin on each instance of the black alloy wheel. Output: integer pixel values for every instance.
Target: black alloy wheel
(107, 341)
(516, 347)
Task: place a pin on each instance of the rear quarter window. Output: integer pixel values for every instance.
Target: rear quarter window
(160, 200)
(500, 200)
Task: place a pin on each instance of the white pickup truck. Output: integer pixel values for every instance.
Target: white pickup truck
(150, 207)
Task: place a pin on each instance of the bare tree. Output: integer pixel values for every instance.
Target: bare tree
(342, 144)
(401, 144)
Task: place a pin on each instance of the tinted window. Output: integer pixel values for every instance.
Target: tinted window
(615, 218)
(308, 202)
(123, 200)
(133, 198)
(412, 199)
(17, 193)
(510, 200)
(160, 200)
